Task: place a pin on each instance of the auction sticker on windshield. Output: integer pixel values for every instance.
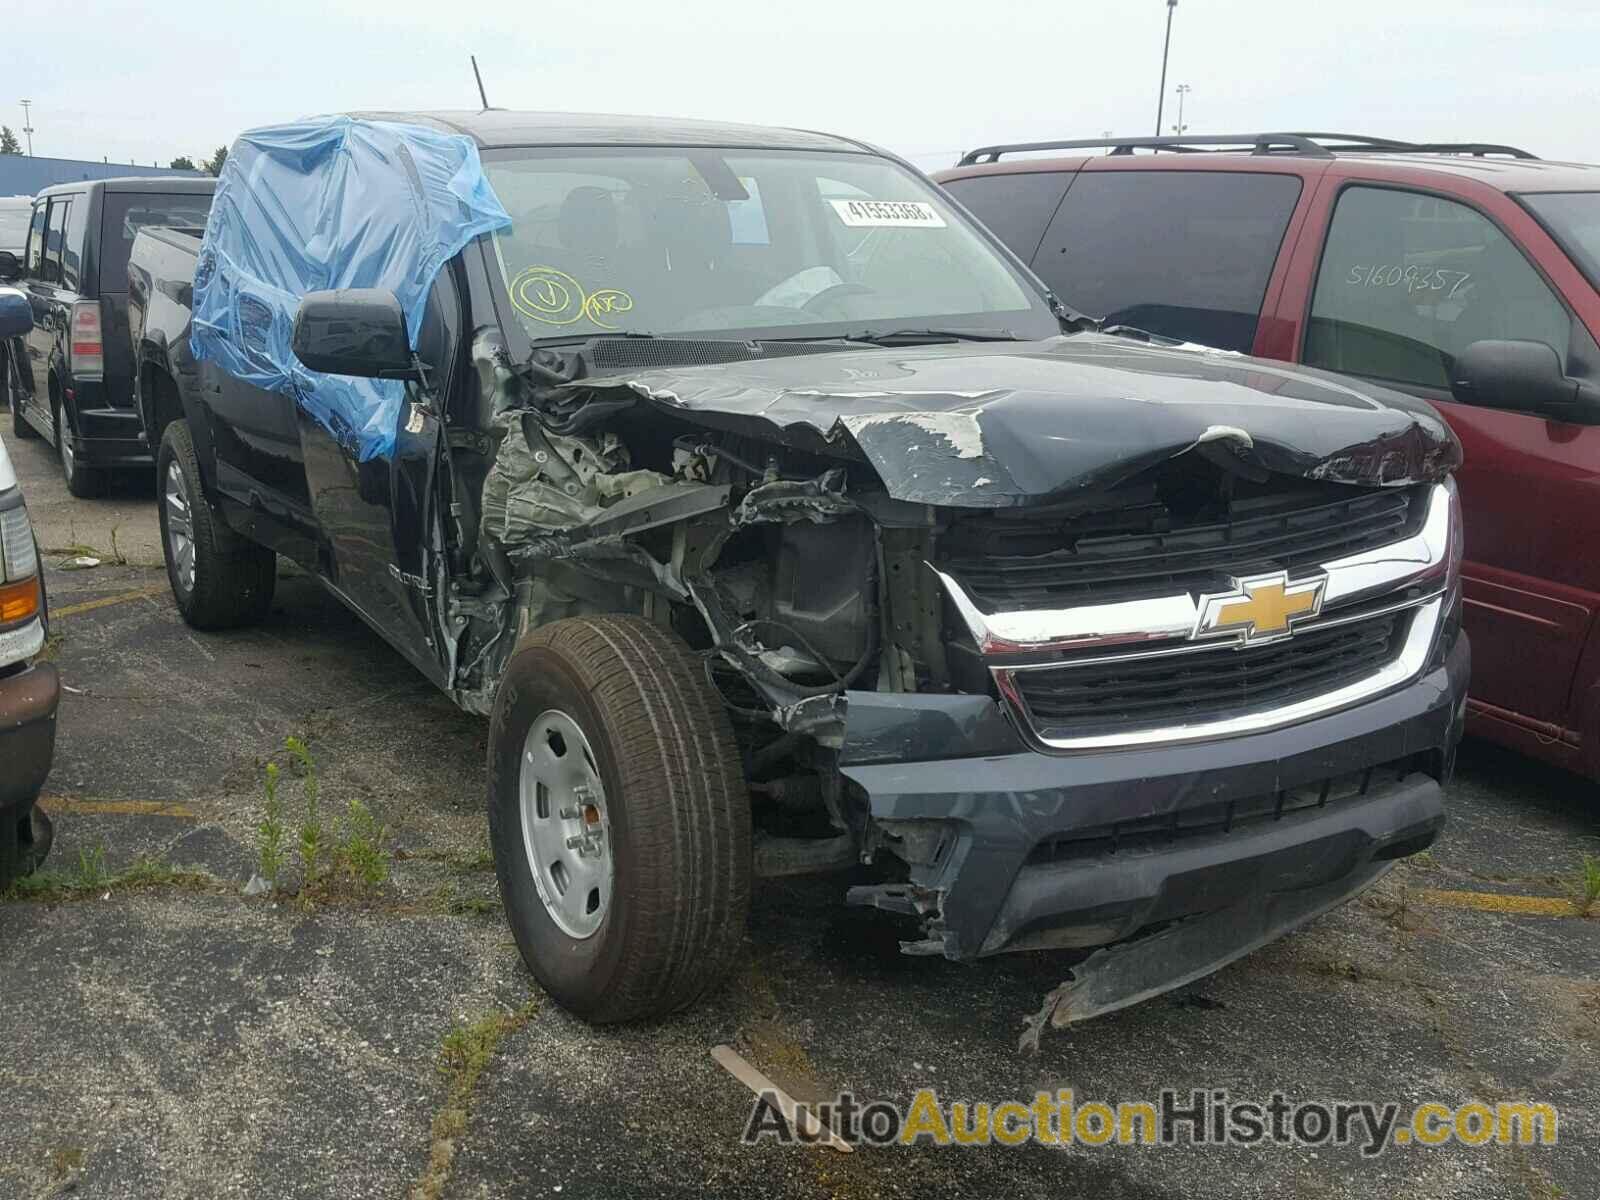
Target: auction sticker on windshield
(887, 214)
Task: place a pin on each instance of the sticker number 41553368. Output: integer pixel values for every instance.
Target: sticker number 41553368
(888, 214)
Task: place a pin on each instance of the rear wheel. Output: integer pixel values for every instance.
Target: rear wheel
(619, 819)
(8, 379)
(83, 482)
(219, 580)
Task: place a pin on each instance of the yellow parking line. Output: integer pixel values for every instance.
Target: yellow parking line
(137, 808)
(69, 610)
(1541, 906)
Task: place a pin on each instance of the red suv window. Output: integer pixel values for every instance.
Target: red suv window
(1409, 280)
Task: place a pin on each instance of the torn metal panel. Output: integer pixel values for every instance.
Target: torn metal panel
(543, 483)
(1130, 972)
(817, 500)
(1075, 412)
(652, 508)
(617, 561)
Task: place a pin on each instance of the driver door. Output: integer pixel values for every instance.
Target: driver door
(376, 518)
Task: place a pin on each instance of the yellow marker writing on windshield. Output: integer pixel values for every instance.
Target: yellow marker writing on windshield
(553, 297)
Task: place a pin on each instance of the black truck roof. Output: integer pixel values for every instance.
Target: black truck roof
(491, 127)
(166, 185)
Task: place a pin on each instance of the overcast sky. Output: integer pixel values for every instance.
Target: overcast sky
(149, 79)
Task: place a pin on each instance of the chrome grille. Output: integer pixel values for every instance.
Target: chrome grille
(1026, 563)
(1106, 696)
(1158, 669)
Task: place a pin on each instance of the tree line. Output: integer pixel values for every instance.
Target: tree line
(211, 166)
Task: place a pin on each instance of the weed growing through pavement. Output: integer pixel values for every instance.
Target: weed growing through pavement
(465, 1053)
(360, 849)
(52, 646)
(271, 830)
(448, 900)
(91, 871)
(1588, 885)
(337, 857)
(312, 843)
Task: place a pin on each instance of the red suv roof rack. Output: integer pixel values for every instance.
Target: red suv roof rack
(1315, 145)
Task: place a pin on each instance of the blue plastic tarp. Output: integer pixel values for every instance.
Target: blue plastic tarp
(331, 202)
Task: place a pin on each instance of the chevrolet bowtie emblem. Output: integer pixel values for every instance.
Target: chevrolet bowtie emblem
(1261, 608)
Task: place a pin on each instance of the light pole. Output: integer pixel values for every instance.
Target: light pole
(27, 125)
(1161, 95)
(1183, 89)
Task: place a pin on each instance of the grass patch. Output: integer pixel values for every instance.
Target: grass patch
(90, 879)
(463, 1056)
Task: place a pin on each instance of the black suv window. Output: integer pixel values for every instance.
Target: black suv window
(72, 243)
(1186, 254)
(1409, 280)
(54, 238)
(1016, 208)
(36, 238)
(125, 213)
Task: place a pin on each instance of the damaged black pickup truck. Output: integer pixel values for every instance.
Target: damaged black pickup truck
(784, 523)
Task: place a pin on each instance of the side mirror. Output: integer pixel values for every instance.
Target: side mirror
(16, 313)
(1522, 376)
(10, 266)
(353, 331)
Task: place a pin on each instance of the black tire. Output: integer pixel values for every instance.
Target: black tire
(233, 578)
(678, 812)
(83, 482)
(21, 427)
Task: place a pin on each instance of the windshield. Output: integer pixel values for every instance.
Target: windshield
(745, 244)
(1573, 219)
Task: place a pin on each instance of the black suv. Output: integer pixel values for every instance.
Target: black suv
(782, 523)
(71, 378)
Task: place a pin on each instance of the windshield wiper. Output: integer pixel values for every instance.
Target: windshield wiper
(910, 337)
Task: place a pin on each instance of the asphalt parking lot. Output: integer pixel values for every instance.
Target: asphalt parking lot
(173, 1037)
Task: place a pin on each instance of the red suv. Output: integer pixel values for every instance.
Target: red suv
(1465, 274)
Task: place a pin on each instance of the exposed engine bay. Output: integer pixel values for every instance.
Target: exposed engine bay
(794, 537)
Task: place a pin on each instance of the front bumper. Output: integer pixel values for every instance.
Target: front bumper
(981, 834)
(28, 700)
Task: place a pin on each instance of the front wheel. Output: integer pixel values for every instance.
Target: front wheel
(219, 580)
(619, 818)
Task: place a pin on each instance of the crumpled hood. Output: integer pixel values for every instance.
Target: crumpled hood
(998, 424)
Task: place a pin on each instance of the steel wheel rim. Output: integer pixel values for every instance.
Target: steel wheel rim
(180, 527)
(566, 828)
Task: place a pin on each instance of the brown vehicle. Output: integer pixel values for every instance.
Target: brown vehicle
(29, 690)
